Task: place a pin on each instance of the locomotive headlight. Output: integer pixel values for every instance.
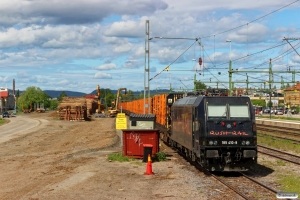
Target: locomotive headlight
(215, 142)
(210, 142)
(247, 142)
(243, 142)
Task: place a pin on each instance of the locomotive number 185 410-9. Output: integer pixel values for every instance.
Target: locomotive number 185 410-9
(229, 142)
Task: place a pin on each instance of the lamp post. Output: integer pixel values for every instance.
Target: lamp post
(230, 71)
(270, 100)
(270, 94)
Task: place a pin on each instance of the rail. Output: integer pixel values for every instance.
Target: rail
(279, 154)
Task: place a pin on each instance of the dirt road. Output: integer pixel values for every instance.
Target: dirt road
(67, 160)
(20, 126)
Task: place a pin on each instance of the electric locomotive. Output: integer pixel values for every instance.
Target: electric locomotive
(218, 132)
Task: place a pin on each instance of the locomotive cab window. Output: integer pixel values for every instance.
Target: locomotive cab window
(239, 112)
(216, 112)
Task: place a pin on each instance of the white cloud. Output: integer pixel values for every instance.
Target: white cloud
(132, 64)
(101, 75)
(53, 42)
(108, 66)
(4, 78)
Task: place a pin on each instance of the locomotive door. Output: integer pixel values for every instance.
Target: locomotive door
(196, 133)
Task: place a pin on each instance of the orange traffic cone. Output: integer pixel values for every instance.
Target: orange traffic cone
(149, 166)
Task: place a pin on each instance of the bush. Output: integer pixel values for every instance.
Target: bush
(161, 156)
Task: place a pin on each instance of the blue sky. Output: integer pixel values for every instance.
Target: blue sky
(77, 45)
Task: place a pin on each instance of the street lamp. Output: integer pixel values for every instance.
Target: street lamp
(270, 94)
(230, 49)
(230, 71)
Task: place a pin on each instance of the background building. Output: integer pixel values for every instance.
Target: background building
(292, 96)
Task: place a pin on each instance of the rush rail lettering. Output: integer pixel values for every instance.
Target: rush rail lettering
(237, 133)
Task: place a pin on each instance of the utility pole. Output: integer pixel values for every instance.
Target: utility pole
(147, 67)
(247, 82)
(270, 86)
(230, 78)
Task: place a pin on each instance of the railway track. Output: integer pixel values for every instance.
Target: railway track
(279, 154)
(237, 183)
(275, 136)
(280, 130)
(245, 186)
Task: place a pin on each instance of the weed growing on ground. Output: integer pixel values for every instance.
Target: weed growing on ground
(119, 157)
(160, 156)
(2, 121)
(290, 183)
(284, 145)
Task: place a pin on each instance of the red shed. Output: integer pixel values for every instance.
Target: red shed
(134, 140)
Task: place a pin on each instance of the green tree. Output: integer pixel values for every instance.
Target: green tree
(61, 96)
(108, 97)
(18, 94)
(199, 86)
(270, 104)
(30, 96)
(128, 97)
(53, 104)
(259, 102)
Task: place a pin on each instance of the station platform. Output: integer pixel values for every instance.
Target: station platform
(295, 124)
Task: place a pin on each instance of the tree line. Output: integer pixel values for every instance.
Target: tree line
(33, 95)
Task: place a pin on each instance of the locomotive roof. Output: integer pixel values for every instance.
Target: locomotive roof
(195, 100)
(189, 100)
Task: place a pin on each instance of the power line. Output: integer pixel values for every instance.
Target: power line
(250, 21)
(168, 67)
(287, 40)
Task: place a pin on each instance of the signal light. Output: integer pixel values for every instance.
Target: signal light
(234, 124)
(200, 61)
(223, 124)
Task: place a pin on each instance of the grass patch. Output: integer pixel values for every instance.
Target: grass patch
(285, 145)
(119, 157)
(290, 183)
(56, 118)
(137, 162)
(160, 156)
(280, 163)
(2, 121)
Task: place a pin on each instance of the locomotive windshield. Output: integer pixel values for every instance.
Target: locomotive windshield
(216, 111)
(239, 111)
(228, 112)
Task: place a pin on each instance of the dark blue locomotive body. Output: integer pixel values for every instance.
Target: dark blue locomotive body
(216, 131)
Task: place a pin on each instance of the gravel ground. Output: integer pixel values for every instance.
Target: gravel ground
(68, 160)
